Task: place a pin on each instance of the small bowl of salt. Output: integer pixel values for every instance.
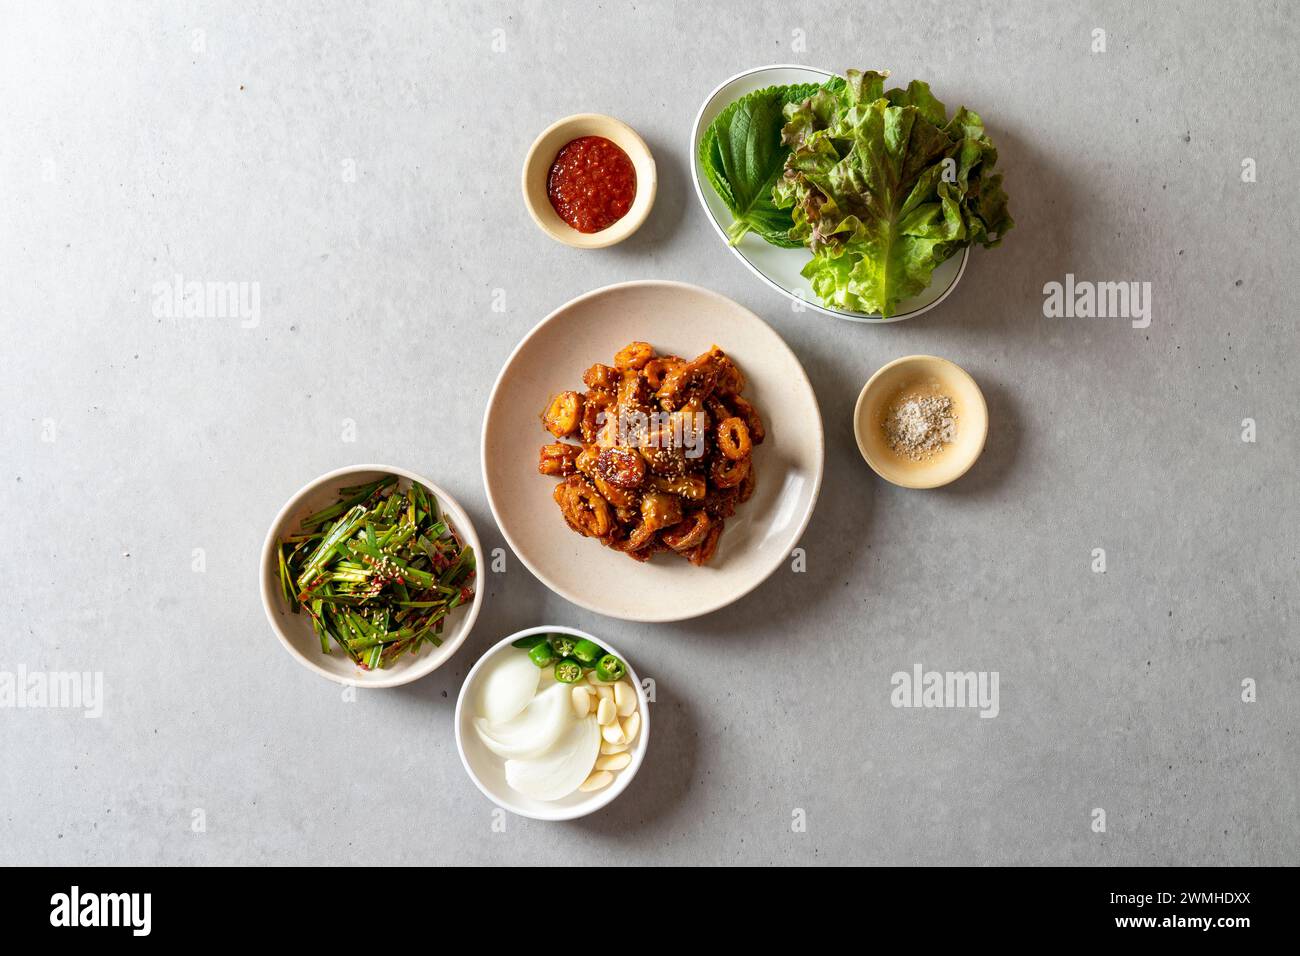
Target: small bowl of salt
(921, 422)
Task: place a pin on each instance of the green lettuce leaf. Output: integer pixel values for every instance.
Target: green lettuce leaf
(882, 187)
(742, 155)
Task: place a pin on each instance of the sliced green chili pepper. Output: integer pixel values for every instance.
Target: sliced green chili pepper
(542, 655)
(610, 668)
(562, 644)
(529, 642)
(588, 652)
(568, 671)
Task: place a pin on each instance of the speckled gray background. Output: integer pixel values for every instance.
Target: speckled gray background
(133, 148)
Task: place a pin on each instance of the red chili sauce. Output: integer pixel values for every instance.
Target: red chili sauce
(591, 184)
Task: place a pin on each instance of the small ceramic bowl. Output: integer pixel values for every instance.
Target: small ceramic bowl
(295, 631)
(487, 770)
(926, 375)
(542, 155)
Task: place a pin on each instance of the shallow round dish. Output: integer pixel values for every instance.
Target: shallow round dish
(487, 770)
(684, 320)
(926, 374)
(780, 268)
(295, 630)
(537, 167)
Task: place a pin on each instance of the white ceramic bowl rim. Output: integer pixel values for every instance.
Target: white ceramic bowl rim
(271, 600)
(597, 800)
(718, 227)
(778, 557)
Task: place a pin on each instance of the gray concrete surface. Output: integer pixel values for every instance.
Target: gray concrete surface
(361, 166)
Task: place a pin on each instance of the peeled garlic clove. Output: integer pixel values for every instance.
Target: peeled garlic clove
(605, 691)
(595, 681)
(606, 712)
(624, 698)
(597, 781)
(607, 748)
(613, 733)
(613, 761)
(631, 726)
(581, 701)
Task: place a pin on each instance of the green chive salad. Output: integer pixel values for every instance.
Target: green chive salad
(378, 572)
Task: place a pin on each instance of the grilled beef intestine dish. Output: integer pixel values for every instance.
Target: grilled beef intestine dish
(655, 454)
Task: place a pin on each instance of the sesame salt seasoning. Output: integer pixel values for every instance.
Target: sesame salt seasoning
(918, 427)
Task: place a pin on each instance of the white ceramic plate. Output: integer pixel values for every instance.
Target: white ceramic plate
(295, 631)
(685, 320)
(778, 267)
(487, 770)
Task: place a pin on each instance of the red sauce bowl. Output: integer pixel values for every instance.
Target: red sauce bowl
(539, 192)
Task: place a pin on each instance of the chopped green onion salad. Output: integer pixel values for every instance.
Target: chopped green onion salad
(378, 571)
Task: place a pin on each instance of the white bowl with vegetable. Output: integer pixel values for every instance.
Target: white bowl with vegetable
(802, 212)
(552, 724)
(368, 576)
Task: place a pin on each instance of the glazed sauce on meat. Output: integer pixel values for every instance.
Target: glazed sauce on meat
(591, 184)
